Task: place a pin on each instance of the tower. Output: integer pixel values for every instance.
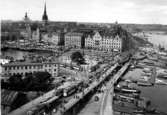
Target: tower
(26, 18)
(45, 16)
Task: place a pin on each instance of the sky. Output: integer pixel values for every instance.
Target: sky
(107, 11)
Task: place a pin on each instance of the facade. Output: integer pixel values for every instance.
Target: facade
(26, 33)
(73, 39)
(104, 42)
(36, 35)
(53, 38)
(23, 68)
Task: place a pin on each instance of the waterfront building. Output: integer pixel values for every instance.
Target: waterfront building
(73, 39)
(51, 37)
(103, 41)
(23, 68)
(26, 33)
(36, 35)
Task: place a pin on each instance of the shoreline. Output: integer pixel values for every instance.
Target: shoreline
(28, 50)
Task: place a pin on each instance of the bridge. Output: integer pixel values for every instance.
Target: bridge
(49, 97)
(107, 99)
(85, 92)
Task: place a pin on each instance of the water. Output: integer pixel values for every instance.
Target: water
(157, 38)
(17, 54)
(157, 95)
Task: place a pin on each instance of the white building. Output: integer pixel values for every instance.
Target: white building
(105, 42)
(73, 39)
(53, 38)
(36, 35)
(26, 33)
(23, 68)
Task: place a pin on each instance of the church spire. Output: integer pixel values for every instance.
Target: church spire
(26, 18)
(45, 17)
(26, 15)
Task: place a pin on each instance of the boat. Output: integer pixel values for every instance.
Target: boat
(133, 95)
(162, 76)
(139, 111)
(126, 90)
(139, 83)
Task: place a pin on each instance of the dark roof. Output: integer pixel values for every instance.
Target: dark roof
(8, 97)
(116, 30)
(27, 64)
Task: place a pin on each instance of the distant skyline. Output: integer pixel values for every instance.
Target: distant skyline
(106, 11)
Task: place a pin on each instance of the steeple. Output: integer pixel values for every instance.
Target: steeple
(26, 15)
(26, 18)
(45, 17)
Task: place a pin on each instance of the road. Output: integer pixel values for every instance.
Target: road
(81, 95)
(106, 105)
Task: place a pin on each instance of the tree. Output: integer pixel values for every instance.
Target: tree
(77, 57)
(42, 77)
(37, 81)
(16, 81)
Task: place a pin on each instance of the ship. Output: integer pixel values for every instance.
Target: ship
(150, 81)
(126, 89)
(142, 83)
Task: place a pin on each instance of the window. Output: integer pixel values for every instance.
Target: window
(25, 67)
(97, 42)
(17, 67)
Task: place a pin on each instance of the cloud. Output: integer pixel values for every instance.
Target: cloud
(125, 11)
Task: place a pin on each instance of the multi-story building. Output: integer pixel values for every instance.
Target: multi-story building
(26, 33)
(103, 41)
(36, 35)
(23, 68)
(53, 38)
(73, 39)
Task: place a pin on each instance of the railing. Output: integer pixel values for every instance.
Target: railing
(106, 105)
(81, 95)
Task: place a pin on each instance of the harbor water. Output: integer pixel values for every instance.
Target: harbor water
(157, 95)
(157, 38)
(17, 54)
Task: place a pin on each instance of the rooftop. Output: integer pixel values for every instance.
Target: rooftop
(27, 63)
(73, 34)
(8, 97)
